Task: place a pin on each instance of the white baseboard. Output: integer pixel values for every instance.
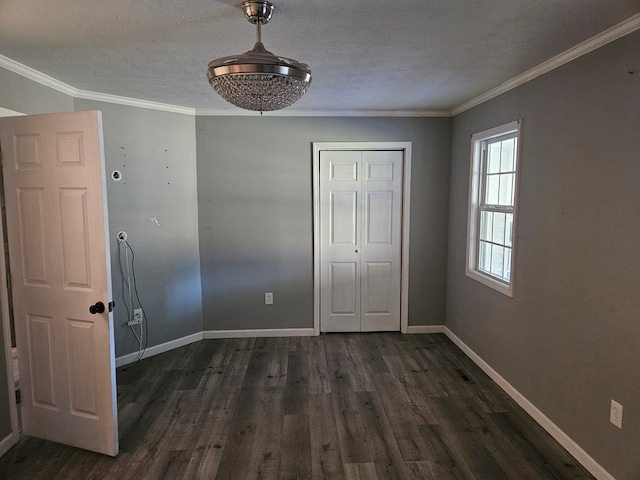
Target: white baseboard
(157, 349)
(266, 332)
(7, 442)
(562, 438)
(417, 329)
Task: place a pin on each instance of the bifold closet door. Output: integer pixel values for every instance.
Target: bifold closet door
(360, 229)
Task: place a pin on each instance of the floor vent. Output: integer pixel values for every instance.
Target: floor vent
(463, 375)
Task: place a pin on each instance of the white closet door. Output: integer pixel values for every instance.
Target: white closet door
(381, 243)
(340, 224)
(360, 228)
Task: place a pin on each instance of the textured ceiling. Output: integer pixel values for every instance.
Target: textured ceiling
(404, 55)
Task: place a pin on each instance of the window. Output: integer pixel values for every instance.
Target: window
(492, 207)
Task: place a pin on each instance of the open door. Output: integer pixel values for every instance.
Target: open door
(55, 196)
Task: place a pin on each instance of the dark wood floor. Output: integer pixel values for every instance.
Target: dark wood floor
(338, 406)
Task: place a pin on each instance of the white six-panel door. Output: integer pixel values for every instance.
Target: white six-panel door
(53, 168)
(360, 240)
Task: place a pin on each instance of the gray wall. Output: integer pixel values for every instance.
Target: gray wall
(569, 339)
(156, 204)
(26, 96)
(256, 214)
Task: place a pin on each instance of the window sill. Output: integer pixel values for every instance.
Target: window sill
(491, 283)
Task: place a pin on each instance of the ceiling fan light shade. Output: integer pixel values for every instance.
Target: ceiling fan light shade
(258, 80)
(260, 92)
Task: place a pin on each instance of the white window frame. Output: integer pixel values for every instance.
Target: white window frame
(476, 182)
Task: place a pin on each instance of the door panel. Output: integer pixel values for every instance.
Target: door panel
(378, 208)
(81, 335)
(377, 281)
(360, 227)
(340, 219)
(76, 262)
(344, 295)
(53, 167)
(42, 365)
(32, 236)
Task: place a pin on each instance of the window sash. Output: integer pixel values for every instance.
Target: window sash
(485, 173)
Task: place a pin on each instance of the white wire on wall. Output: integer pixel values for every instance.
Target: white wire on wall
(131, 299)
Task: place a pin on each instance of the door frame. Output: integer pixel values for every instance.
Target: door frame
(13, 437)
(405, 147)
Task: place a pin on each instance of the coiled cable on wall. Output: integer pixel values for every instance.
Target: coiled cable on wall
(131, 298)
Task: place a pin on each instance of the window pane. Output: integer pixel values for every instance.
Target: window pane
(498, 227)
(507, 155)
(507, 264)
(497, 260)
(484, 259)
(506, 189)
(508, 241)
(492, 190)
(493, 162)
(486, 226)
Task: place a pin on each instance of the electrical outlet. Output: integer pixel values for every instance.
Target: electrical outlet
(268, 298)
(121, 236)
(616, 414)
(138, 316)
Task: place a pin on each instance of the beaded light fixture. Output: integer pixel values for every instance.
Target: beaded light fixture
(258, 80)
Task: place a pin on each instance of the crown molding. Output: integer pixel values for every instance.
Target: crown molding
(37, 76)
(219, 112)
(617, 31)
(133, 102)
(5, 112)
(47, 81)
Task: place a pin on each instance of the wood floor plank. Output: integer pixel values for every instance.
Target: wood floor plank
(425, 470)
(267, 366)
(544, 456)
(230, 368)
(381, 443)
(338, 406)
(319, 378)
(344, 363)
(467, 446)
(268, 452)
(296, 391)
(326, 458)
(296, 445)
(360, 471)
(150, 412)
(350, 428)
(239, 444)
(400, 413)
